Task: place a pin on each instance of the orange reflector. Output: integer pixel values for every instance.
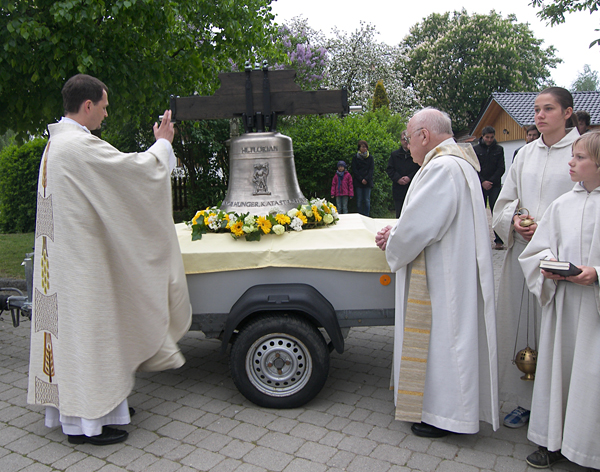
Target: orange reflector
(385, 279)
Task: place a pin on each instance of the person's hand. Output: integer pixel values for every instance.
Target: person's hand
(382, 236)
(486, 184)
(552, 275)
(587, 277)
(525, 231)
(166, 130)
(364, 182)
(404, 180)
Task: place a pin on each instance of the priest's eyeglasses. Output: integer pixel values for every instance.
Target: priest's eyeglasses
(409, 136)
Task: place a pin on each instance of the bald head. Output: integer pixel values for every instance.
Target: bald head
(426, 129)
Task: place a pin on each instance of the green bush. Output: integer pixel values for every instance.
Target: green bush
(19, 167)
(321, 141)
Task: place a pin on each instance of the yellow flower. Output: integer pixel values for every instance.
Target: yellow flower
(302, 217)
(226, 218)
(196, 217)
(326, 209)
(236, 228)
(316, 213)
(282, 219)
(264, 224)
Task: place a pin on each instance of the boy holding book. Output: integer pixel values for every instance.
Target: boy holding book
(565, 414)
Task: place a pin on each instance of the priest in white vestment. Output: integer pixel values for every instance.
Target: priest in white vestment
(565, 413)
(110, 295)
(443, 215)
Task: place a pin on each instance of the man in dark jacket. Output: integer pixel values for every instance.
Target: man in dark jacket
(491, 160)
(401, 169)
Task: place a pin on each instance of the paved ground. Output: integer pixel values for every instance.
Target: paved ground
(194, 419)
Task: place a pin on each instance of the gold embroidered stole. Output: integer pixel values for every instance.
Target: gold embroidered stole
(415, 345)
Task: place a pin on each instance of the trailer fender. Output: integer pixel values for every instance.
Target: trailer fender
(285, 297)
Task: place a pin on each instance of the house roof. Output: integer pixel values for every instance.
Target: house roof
(519, 105)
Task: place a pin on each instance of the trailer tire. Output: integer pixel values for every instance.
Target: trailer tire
(279, 361)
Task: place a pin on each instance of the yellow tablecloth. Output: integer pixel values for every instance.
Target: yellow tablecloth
(349, 245)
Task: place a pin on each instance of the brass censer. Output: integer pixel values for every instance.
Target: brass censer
(526, 361)
(526, 220)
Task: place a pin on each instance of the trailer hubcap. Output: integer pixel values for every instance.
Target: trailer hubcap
(278, 365)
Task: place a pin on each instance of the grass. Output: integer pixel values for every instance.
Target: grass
(13, 248)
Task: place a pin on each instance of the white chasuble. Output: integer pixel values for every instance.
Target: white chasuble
(565, 411)
(443, 215)
(110, 295)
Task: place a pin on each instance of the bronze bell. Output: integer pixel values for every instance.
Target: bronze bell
(262, 175)
(526, 361)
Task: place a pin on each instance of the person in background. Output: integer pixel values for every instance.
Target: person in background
(532, 135)
(491, 160)
(534, 181)
(342, 188)
(584, 121)
(565, 413)
(401, 169)
(363, 167)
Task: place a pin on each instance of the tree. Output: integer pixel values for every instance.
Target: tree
(380, 98)
(144, 50)
(357, 61)
(456, 60)
(587, 81)
(555, 11)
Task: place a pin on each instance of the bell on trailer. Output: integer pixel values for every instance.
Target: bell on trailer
(262, 175)
(526, 361)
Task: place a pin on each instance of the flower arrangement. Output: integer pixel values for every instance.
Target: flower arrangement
(318, 212)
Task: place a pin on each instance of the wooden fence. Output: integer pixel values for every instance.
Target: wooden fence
(179, 188)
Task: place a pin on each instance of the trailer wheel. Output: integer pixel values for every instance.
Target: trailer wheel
(279, 361)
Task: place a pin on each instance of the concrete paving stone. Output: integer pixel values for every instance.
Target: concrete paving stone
(227, 465)
(149, 387)
(281, 442)
(162, 446)
(495, 446)
(67, 461)
(386, 436)
(424, 462)
(301, 465)
(99, 452)
(320, 403)
(27, 444)
(282, 425)
(443, 450)
(196, 436)
(37, 467)
(169, 393)
(371, 404)
(393, 455)
(237, 449)
(250, 468)
(356, 428)
(509, 464)
(201, 459)
(11, 377)
(89, 464)
(398, 468)
(221, 393)
(141, 438)
(318, 418)
(142, 463)
(357, 445)
(165, 408)
(14, 462)
(222, 425)
(268, 458)
(12, 412)
(154, 422)
(415, 443)
(337, 423)
(479, 459)
(346, 386)
(145, 407)
(178, 453)
(316, 452)
(359, 414)
(255, 417)
(362, 463)
(366, 388)
(164, 465)
(176, 430)
(291, 413)
(231, 410)
(214, 442)
(340, 409)
(55, 434)
(186, 414)
(333, 438)
(523, 450)
(50, 453)
(308, 432)
(111, 468)
(450, 466)
(206, 420)
(199, 388)
(26, 419)
(248, 432)
(170, 378)
(125, 456)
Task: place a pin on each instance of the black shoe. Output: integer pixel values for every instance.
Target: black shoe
(428, 431)
(109, 436)
(543, 458)
(131, 412)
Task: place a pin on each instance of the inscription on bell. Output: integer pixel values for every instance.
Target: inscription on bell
(259, 179)
(255, 149)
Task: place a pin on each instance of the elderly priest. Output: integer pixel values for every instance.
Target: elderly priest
(444, 288)
(110, 295)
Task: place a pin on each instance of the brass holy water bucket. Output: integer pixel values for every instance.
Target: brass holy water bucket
(262, 175)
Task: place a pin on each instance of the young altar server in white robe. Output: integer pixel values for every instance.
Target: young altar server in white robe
(534, 180)
(110, 294)
(565, 413)
(443, 215)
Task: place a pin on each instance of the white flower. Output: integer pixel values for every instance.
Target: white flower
(308, 210)
(213, 222)
(292, 213)
(278, 229)
(327, 219)
(248, 228)
(249, 220)
(296, 224)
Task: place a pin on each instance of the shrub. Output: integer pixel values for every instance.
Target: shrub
(19, 167)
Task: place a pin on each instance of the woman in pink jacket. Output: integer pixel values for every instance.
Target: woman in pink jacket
(342, 188)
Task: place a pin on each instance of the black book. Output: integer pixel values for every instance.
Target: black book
(566, 269)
